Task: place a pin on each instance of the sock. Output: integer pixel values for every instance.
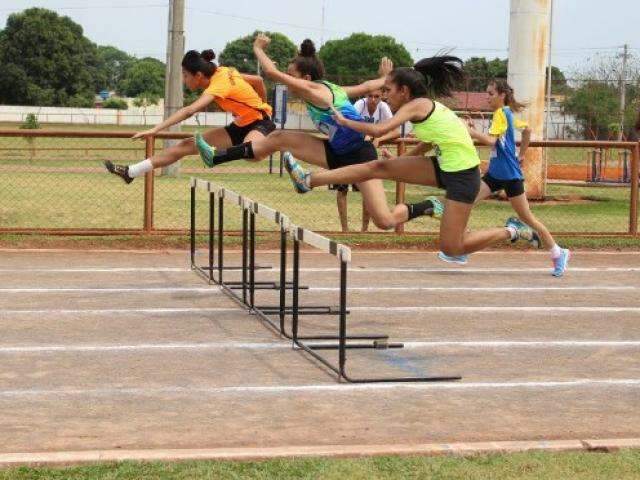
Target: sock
(244, 150)
(419, 209)
(555, 251)
(513, 232)
(140, 168)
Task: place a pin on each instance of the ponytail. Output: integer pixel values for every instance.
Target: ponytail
(194, 62)
(434, 76)
(501, 86)
(307, 62)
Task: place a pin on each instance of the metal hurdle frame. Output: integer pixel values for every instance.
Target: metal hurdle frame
(343, 254)
(249, 285)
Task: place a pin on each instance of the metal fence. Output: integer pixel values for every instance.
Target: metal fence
(54, 182)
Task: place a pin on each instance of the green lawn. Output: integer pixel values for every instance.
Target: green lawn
(623, 465)
(53, 199)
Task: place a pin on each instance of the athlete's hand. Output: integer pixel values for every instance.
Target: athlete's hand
(469, 121)
(337, 116)
(386, 65)
(145, 134)
(261, 42)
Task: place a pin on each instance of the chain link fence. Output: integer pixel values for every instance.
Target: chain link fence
(55, 181)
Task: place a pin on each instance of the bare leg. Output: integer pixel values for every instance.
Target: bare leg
(485, 192)
(455, 240)
(375, 202)
(301, 145)
(416, 170)
(217, 137)
(521, 207)
(341, 200)
(365, 217)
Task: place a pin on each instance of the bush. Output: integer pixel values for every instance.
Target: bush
(115, 103)
(31, 122)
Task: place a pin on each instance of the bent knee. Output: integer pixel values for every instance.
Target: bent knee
(383, 222)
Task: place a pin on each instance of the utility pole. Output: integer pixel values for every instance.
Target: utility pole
(623, 89)
(173, 98)
(549, 78)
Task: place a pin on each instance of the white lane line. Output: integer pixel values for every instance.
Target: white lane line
(215, 289)
(114, 290)
(287, 346)
(322, 388)
(353, 269)
(480, 289)
(112, 311)
(389, 310)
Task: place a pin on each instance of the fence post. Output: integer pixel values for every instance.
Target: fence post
(148, 188)
(633, 207)
(400, 187)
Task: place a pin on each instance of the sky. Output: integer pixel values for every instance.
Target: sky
(583, 30)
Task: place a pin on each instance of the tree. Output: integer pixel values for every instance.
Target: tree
(144, 101)
(356, 58)
(115, 103)
(239, 53)
(113, 64)
(480, 71)
(46, 60)
(143, 76)
(595, 101)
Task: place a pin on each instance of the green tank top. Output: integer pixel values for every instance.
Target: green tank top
(443, 128)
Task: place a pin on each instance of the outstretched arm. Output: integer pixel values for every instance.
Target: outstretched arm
(182, 114)
(417, 108)
(354, 91)
(310, 91)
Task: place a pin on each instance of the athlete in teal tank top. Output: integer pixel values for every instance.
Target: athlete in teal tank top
(342, 139)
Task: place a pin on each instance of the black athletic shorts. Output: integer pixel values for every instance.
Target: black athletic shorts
(512, 188)
(365, 153)
(237, 134)
(462, 186)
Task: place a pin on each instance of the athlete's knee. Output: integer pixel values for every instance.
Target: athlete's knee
(378, 168)
(382, 221)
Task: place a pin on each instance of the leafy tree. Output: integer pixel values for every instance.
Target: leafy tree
(356, 58)
(115, 103)
(596, 106)
(239, 53)
(46, 60)
(143, 76)
(113, 64)
(144, 101)
(480, 71)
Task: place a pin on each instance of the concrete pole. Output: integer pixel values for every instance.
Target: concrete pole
(173, 98)
(529, 30)
(623, 90)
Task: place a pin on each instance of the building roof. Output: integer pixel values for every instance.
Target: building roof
(469, 101)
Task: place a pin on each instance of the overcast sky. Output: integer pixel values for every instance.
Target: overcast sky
(582, 29)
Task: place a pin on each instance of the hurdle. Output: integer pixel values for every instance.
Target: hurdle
(217, 196)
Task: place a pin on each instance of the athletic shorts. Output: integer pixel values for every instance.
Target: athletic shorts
(462, 186)
(512, 188)
(238, 134)
(366, 153)
(344, 187)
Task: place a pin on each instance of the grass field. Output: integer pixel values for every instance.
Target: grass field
(623, 465)
(57, 182)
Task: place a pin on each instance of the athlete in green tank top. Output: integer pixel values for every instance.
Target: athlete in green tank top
(455, 168)
(446, 131)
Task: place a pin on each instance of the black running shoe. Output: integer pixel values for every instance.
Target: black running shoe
(120, 170)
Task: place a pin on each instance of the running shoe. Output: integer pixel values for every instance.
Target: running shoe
(524, 232)
(561, 263)
(207, 152)
(298, 176)
(457, 259)
(121, 171)
(438, 207)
